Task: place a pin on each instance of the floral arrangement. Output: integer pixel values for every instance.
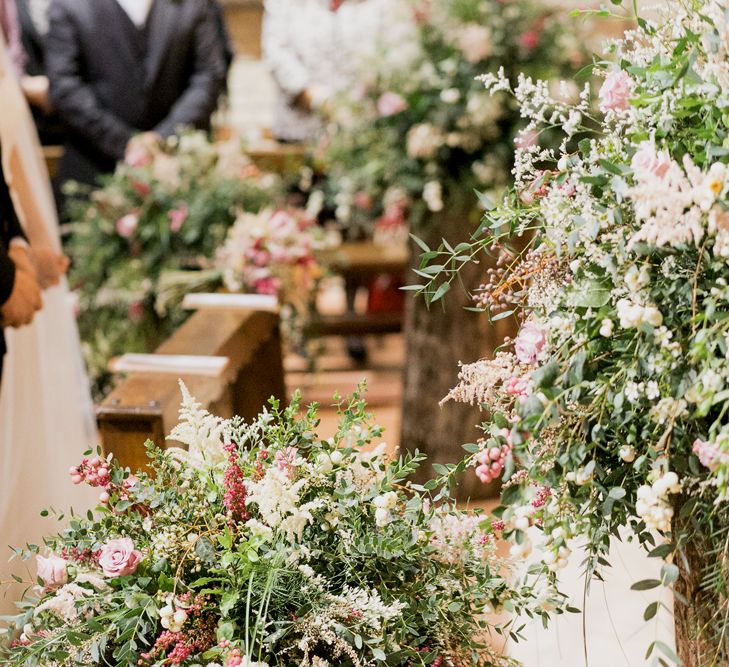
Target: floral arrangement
(608, 410)
(420, 129)
(275, 252)
(140, 241)
(263, 545)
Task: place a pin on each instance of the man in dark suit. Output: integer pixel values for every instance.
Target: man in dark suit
(122, 67)
(20, 295)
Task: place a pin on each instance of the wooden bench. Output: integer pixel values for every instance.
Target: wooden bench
(361, 262)
(145, 405)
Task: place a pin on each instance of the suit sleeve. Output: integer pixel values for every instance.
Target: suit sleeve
(197, 103)
(72, 98)
(286, 68)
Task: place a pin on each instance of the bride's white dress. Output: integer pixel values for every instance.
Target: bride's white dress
(46, 415)
(614, 632)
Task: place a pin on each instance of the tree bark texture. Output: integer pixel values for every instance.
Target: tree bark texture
(700, 615)
(436, 341)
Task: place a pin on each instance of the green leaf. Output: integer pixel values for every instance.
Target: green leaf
(650, 611)
(669, 573)
(422, 244)
(617, 493)
(645, 585)
(441, 292)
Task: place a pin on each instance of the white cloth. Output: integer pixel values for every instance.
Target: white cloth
(308, 47)
(46, 414)
(136, 10)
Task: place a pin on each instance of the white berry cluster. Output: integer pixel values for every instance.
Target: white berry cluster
(653, 503)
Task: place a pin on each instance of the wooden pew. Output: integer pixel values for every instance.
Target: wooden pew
(361, 262)
(145, 405)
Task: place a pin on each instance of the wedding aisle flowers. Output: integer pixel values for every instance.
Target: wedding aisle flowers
(264, 544)
(275, 252)
(419, 125)
(140, 241)
(613, 397)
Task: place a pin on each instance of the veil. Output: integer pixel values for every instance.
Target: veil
(46, 413)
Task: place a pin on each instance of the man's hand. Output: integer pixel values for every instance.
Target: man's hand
(35, 89)
(24, 301)
(49, 266)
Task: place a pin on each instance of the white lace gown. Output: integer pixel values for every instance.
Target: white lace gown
(46, 414)
(614, 632)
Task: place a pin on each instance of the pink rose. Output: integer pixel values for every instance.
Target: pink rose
(127, 225)
(390, 104)
(649, 161)
(119, 558)
(529, 343)
(177, 217)
(52, 570)
(615, 91)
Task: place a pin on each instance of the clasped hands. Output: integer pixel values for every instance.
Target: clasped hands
(35, 270)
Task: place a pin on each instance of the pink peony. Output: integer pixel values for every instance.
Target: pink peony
(52, 570)
(127, 225)
(615, 92)
(649, 161)
(529, 343)
(177, 217)
(390, 104)
(119, 558)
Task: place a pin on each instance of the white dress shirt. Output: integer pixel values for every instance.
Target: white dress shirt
(308, 47)
(137, 10)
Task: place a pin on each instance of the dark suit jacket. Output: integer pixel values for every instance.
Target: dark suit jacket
(9, 229)
(109, 80)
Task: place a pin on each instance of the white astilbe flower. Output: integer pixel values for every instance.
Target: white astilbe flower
(200, 431)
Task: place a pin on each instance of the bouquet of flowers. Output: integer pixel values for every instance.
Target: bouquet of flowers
(141, 240)
(420, 128)
(275, 252)
(263, 544)
(612, 400)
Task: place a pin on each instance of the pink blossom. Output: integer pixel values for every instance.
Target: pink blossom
(52, 570)
(615, 91)
(517, 386)
(177, 217)
(135, 311)
(285, 459)
(649, 161)
(529, 343)
(709, 454)
(529, 39)
(138, 156)
(363, 200)
(268, 285)
(119, 558)
(127, 225)
(390, 104)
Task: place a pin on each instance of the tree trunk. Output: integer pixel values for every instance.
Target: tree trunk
(698, 613)
(436, 341)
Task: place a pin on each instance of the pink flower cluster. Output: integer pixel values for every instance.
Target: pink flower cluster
(491, 460)
(710, 454)
(235, 488)
(285, 460)
(95, 472)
